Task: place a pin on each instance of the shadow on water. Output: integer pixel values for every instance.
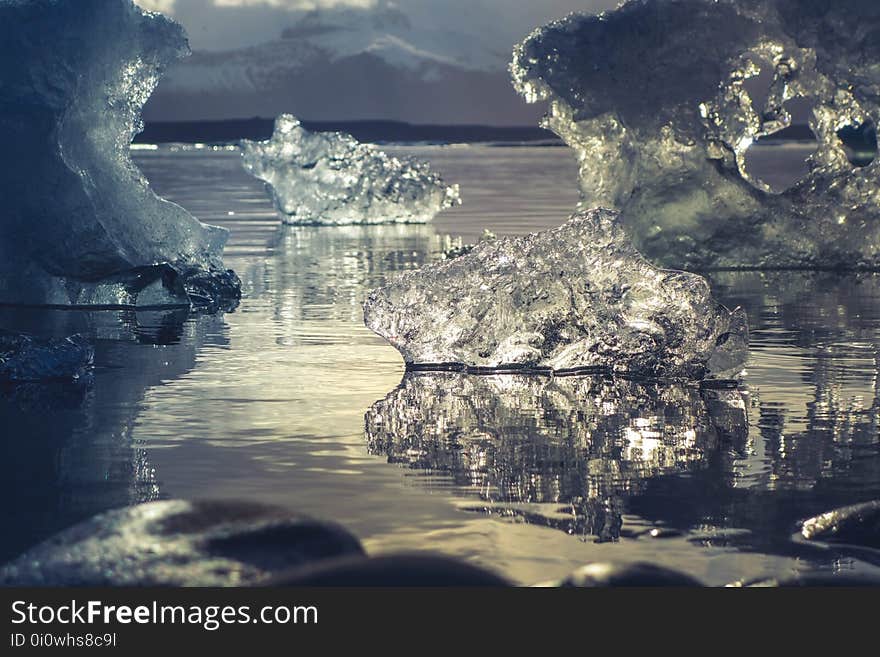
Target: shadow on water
(68, 451)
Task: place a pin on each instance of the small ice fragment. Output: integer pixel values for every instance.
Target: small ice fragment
(331, 178)
(576, 297)
(27, 359)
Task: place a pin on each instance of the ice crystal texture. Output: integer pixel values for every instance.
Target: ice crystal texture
(588, 442)
(331, 178)
(578, 296)
(80, 224)
(653, 99)
(26, 359)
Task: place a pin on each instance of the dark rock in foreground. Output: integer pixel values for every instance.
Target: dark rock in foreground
(234, 543)
(614, 574)
(178, 543)
(858, 524)
(390, 570)
(25, 359)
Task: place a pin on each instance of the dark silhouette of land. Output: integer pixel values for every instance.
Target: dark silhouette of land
(861, 139)
(233, 130)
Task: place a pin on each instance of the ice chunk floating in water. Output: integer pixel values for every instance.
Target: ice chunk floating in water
(79, 224)
(24, 359)
(575, 297)
(331, 178)
(652, 97)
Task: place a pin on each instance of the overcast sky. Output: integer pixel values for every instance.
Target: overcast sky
(223, 24)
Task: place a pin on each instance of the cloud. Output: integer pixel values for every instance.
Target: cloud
(165, 6)
(227, 24)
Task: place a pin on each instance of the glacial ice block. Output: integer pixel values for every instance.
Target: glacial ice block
(331, 178)
(654, 99)
(79, 224)
(573, 298)
(26, 359)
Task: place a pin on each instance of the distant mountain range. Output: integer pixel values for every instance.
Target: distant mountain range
(348, 64)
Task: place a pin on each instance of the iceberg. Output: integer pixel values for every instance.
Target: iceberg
(529, 445)
(331, 178)
(578, 297)
(80, 225)
(654, 99)
(25, 359)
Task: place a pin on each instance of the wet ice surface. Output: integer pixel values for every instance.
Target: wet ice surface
(80, 225)
(271, 403)
(574, 298)
(332, 178)
(668, 143)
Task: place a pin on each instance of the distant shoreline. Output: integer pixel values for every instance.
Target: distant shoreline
(231, 131)
(234, 130)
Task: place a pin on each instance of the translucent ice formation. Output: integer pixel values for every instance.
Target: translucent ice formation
(575, 297)
(79, 224)
(653, 98)
(25, 359)
(528, 445)
(331, 178)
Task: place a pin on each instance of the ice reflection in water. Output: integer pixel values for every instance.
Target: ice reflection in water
(560, 451)
(315, 273)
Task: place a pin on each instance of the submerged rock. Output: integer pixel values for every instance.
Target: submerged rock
(621, 574)
(858, 525)
(572, 298)
(178, 543)
(654, 100)
(331, 178)
(80, 225)
(25, 359)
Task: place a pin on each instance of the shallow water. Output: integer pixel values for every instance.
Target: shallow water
(290, 400)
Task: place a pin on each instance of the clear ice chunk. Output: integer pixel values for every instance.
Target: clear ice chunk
(573, 298)
(79, 223)
(331, 178)
(27, 359)
(653, 98)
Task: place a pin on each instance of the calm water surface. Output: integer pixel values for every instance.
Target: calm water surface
(290, 400)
